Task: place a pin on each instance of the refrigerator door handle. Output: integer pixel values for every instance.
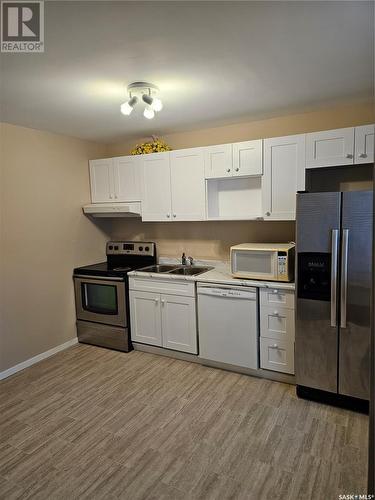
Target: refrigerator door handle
(334, 257)
(344, 277)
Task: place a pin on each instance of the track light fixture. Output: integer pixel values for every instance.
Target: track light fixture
(147, 92)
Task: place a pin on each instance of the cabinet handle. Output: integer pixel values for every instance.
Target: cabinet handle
(228, 169)
(274, 346)
(349, 155)
(110, 196)
(275, 291)
(174, 215)
(162, 302)
(268, 214)
(156, 301)
(237, 169)
(363, 155)
(275, 313)
(168, 215)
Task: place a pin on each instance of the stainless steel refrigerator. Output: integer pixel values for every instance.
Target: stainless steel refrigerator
(333, 312)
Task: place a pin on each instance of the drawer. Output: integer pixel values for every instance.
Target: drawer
(169, 286)
(277, 355)
(277, 297)
(277, 323)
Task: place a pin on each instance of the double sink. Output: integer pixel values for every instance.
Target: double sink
(180, 270)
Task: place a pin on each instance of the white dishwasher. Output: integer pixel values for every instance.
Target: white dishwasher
(228, 324)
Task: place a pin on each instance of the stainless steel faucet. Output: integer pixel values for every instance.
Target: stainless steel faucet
(186, 261)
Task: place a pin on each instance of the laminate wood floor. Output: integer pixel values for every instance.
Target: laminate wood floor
(99, 424)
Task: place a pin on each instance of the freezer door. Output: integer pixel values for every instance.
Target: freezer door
(355, 294)
(317, 228)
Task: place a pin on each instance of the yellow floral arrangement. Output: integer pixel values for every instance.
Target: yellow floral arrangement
(154, 146)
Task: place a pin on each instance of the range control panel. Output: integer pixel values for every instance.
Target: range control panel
(131, 248)
(282, 267)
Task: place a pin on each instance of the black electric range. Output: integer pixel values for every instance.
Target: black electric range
(102, 294)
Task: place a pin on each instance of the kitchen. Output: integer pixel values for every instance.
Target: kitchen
(194, 393)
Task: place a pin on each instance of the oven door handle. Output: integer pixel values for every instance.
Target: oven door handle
(91, 277)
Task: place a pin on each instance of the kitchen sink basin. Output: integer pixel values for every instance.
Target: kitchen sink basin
(190, 271)
(161, 268)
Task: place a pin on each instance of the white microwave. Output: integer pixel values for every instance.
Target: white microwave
(263, 261)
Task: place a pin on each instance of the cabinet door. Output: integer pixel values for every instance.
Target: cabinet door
(179, 323)
(145, 318)
(156, 187)
(247, 158)
(364, 144)
(101, 180)
(284, 175)
(277, 355)
(330, 148)
(126, 170)
(218, 161)
(188, 184)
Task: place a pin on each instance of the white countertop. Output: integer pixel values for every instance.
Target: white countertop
(219, 274)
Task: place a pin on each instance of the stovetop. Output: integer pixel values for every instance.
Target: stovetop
(122, 257)
(102, 269)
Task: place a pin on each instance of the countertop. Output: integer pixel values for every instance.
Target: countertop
(219, 274)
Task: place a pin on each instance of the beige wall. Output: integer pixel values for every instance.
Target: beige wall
(210, 240)
(344, 115)
(213, 239)
(44, 183)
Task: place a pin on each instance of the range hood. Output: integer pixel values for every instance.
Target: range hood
(130, 209)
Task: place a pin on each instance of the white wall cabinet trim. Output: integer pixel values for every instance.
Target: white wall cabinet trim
(330, 148)
(126, 173)
(284, 175)
(218, 161)
(101, 180)
(187, 184)
(156, 187)
(248, 158)
(364, 144)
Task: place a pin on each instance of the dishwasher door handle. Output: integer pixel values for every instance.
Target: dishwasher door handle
(226, 294)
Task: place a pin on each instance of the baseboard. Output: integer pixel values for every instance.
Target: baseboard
(39, 357)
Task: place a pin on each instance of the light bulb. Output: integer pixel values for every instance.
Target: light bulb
(157, 105)
(148, 113)
(127, 107)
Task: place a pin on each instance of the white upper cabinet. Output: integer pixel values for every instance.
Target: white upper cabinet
(101, 180)
(330, 148)
(187, 184)
(364, 144)
(218, 161)
(247, 158)
(284, 175)
(126, 174)
(156, 187)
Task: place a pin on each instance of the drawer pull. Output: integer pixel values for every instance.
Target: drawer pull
(275, 291)
(274, 346)
(276, 313)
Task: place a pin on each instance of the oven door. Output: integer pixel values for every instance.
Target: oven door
(100, 299)
(254, 264)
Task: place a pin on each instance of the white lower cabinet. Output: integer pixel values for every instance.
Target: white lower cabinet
(145, 317)
(277, 330)
(277, 355)
(163, 319)
(179, 329)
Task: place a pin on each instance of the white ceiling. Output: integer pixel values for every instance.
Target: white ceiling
(215, 63)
